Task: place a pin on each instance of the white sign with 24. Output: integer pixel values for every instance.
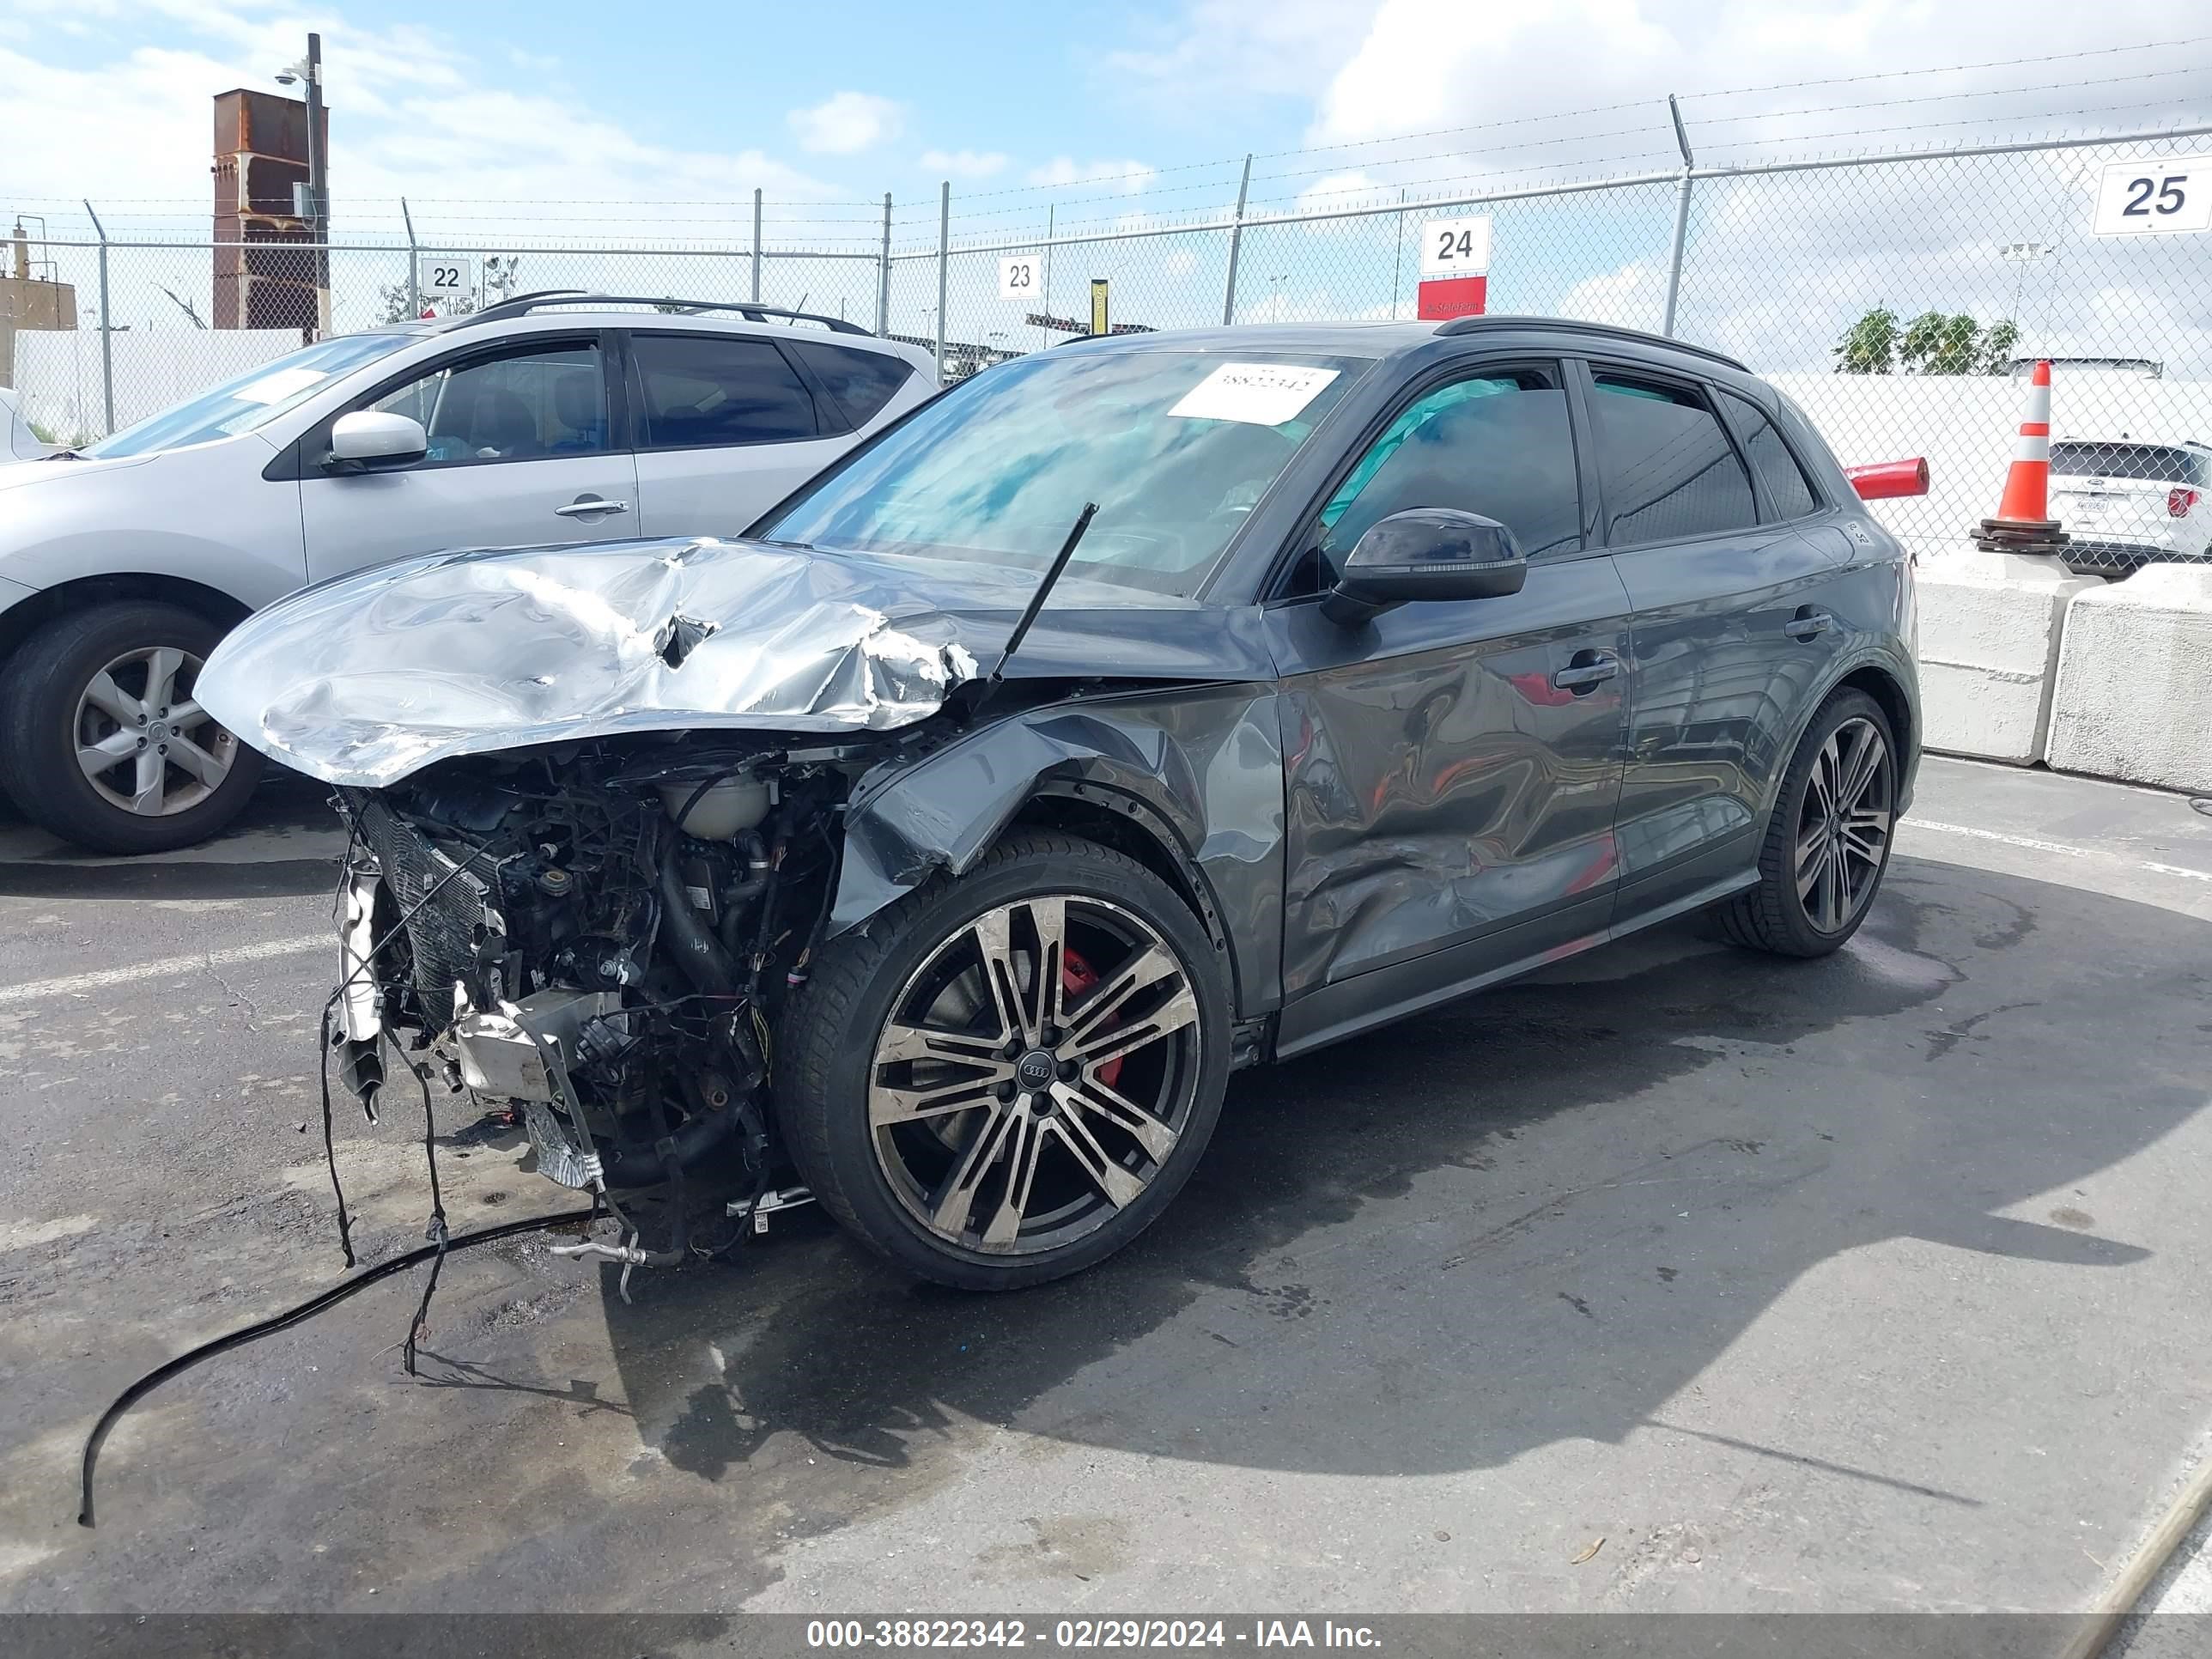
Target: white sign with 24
(1456, 247)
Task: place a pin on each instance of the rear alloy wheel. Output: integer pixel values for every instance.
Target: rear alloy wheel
(1040, 1056)
(106, 743)
(1829, 840)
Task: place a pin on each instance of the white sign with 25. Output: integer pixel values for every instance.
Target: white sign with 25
(2154, 194)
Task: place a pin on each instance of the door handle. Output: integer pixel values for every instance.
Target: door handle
(585, 506)
(1588, 670)
(1807, 622)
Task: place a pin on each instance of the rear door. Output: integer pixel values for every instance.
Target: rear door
(521, 454)
(726, 426)
(1452, 768)
(1741, 611)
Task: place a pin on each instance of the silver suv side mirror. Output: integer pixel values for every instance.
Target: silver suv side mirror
(368, 438)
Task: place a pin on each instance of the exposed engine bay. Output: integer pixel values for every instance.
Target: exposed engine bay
(597, 937)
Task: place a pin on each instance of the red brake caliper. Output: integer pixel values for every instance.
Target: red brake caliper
(1076, 981)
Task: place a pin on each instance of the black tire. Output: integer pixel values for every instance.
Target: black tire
(1772, 916)
(829, 1068)
(40, 692)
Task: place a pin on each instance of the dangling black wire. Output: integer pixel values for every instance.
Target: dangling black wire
(330, 1147)
(437, 1231)
(291, 1316)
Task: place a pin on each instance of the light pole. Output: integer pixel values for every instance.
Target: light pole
(1276, 297)
(2023, 254)
(310, 69)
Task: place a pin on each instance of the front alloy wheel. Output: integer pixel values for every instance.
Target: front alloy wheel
(1006, 1077)
(1034, 1075)
(103, 740)
(142, 738)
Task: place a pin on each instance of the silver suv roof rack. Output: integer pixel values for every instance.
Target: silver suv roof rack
(523, 304)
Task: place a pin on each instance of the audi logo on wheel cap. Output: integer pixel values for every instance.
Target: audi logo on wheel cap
(1036, 1069)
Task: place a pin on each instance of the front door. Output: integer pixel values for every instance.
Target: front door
(522, 454)
(1739, 617)
(1452, 768)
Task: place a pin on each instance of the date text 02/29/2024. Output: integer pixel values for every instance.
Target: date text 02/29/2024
(1074, 1635)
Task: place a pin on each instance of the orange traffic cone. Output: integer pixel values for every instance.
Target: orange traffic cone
(2023, 523)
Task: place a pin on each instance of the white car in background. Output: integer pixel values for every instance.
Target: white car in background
(549, 418)
(2126, 503)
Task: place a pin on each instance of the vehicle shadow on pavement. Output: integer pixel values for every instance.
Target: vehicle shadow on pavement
(1535, 1215)
(285, 844)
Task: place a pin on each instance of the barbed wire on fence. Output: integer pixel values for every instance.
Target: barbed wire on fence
(1800, 267)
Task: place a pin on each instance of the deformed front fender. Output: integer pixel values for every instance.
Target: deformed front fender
(1200, 767)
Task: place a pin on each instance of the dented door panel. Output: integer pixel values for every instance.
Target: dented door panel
(1440, 785)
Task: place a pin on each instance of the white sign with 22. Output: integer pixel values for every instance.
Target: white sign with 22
(445, 276)
(2154, 194)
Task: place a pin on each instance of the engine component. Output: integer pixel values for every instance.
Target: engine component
(720, 811)
(504, 1052)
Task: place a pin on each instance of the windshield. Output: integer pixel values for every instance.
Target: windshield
(1176, 447)
(260, 394)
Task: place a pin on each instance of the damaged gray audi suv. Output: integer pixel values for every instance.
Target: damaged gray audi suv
(1132, 712)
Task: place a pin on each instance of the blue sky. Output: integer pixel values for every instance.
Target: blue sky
(563, 122)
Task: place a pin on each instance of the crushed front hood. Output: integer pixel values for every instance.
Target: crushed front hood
(365, 679)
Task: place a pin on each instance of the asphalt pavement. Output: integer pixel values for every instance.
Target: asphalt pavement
(1676, 1279)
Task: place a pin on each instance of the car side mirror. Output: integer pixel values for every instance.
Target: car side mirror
(369, 439)
(1425, 553)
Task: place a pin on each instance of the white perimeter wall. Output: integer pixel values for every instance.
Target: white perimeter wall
(57, 371)
(1966, 425)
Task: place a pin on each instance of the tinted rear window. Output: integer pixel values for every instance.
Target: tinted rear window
(2152, 463)
(862, 382)
(1771, 459)
(1667, 468)
(705, 389)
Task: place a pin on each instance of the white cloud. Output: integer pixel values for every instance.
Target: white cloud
(845, 123)
(962, 163)
(411, 114)
(1130, 178)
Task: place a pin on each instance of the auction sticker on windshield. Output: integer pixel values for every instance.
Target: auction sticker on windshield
(1265, 394)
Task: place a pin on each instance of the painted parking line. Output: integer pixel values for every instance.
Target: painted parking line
(2066, 849)
(166, 968)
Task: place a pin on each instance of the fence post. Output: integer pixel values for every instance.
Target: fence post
(1681, 216)
(757, 239)
(1044, 329)
(884, 275)
(106, 325)
(1235, 246)
(414, 263)
(943, 264)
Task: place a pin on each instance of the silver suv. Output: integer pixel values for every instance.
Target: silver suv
(551, 418)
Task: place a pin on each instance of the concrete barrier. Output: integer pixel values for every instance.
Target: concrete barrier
(1989, 630)
(2134, 695)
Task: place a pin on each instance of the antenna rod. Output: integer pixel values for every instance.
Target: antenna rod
(1037, 599)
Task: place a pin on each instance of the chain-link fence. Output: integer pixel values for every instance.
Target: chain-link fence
(1891, 295)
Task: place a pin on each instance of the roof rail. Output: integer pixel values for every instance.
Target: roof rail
(523, 304)
(1572, 325)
